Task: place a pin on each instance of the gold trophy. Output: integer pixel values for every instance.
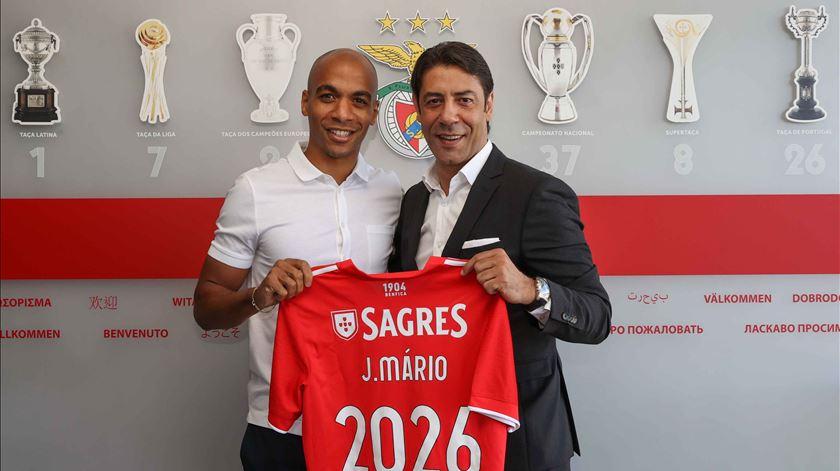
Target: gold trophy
(153, 36)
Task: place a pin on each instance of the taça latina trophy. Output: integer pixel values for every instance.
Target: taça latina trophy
(153, 36)
(556, 70)
(681, 34)
(806, 24)
(269, 57)
(36, 98)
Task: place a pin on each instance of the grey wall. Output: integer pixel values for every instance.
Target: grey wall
(720, 400)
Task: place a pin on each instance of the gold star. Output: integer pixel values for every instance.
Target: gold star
(418, 23)
(387, 23)
(446, 22)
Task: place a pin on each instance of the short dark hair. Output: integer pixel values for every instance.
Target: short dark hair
(457, 54)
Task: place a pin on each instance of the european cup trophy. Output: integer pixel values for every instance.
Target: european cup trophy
(153, 37)
(36, 98)
(556, 70)
(806, 24)
(681, 34)
(269, 57)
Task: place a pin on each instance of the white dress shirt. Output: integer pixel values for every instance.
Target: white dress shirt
(443, 209)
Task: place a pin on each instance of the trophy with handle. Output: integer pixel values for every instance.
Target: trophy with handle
(806, 24)
(556, 70)
(153, 36)
(36, 99)
(681, 34)
(269, 57)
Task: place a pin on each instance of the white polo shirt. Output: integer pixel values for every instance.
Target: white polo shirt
(290, 209)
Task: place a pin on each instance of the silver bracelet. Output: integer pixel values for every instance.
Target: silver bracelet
(254, 303)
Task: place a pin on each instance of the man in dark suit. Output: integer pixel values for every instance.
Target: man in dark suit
(521, 231)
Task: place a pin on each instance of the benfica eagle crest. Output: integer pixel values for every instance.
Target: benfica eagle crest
(397, 119)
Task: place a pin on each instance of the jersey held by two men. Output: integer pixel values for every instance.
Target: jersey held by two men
(394, 371)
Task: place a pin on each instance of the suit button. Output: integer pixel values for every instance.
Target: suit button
(573, 320)
(565, 317)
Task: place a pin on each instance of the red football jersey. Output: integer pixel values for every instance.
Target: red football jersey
(397, 371)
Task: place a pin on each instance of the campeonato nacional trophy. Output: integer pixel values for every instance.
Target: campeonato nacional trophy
(269, 57)
(556, 70)
(681, 34)
(153, 36)
(806, 24)
(36, 99)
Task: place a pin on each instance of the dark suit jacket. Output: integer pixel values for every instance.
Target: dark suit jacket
(536, 217)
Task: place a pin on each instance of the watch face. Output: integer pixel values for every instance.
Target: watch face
(543, 292)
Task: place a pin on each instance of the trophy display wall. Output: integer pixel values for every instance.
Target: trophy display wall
(718, 237)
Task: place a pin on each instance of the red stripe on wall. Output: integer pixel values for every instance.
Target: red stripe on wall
(105, 238)
(629, 235)
(714, 235)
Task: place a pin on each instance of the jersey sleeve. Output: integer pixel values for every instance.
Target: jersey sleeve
(288, 373)
(493, 391)
(235, 240)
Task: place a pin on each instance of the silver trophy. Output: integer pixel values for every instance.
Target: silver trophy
(36, 99)
(269, 57)
(806, 24)
(556, 70)
(681, 34)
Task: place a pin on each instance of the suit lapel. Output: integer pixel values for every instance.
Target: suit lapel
(483, 188)
(414, 214)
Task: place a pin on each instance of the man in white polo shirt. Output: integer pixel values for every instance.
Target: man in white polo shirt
(321, 204)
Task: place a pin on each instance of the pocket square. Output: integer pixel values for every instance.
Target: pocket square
(471, 244)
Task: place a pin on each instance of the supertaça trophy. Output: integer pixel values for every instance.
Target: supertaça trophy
(806, 24)
(269, 57)
(36, 98)
(555, 69)
(681, 34)
(153, 36)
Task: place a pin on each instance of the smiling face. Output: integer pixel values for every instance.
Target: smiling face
(454, 114)
(340, 102)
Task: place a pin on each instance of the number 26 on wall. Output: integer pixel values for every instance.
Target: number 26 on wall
(457, 439)
(801, 161)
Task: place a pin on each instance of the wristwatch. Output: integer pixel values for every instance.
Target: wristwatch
(543, 294)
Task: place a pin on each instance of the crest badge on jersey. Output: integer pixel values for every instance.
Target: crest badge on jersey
(397, 120)
(345, 323)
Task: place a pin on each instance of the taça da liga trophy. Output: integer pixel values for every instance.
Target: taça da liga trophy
(36, 101)
(806, 24)
(153, 37)
(556, 70)
(681, 34)
(269, 57)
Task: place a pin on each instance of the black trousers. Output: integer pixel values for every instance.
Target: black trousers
(264, 449)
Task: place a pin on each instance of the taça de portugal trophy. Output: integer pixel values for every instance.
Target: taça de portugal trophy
(153, 36)
(681, 34)
(36, 98)
(806, 24)
(269, 57)
(556, 70)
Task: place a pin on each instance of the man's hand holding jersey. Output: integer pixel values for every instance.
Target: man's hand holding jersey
(497, 274)
(286, 279)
